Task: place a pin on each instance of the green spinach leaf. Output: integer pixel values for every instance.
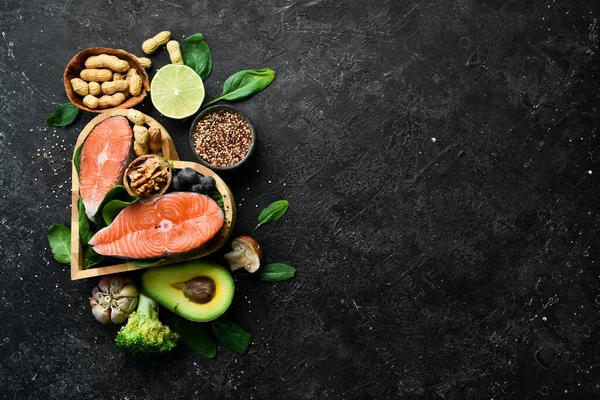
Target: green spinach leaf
(85, 233)
(76, 157)
(272, 212)
(196, 55)
(117, 194)
(244, 84)
(216, 196)
(63, 116)
(59, 237)
(148, 263)
(276, 272)
(114, 207)
(231, 335)
(196, 335)
(91, 258)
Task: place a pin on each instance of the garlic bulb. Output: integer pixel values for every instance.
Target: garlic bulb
(113, 299)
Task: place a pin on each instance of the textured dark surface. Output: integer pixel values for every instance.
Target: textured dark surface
(442, 165)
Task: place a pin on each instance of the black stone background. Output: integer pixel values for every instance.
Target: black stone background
(442, 165)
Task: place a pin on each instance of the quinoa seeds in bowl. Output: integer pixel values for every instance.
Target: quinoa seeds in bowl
(222, 137)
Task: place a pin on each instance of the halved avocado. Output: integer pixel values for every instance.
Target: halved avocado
(197, 290)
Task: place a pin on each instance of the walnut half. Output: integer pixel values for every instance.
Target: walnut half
(148, 176)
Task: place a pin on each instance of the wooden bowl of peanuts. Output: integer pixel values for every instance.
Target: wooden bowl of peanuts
(100, 79)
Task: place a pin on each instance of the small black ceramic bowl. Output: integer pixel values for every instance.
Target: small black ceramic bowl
(203, 114)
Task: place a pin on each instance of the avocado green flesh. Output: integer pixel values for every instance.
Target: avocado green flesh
(161, 284)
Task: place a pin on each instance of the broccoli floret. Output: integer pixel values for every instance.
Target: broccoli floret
(144, 334)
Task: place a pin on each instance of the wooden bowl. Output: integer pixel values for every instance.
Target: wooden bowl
(139, 161)
(76, 65)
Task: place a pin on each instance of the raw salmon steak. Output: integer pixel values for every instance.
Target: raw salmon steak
(103, 159)
(171, 224)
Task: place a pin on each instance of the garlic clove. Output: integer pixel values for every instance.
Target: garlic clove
(116, 283)
(104, 284)
(128, 290)
(117, 316)
(97, 293)
(102, 314)
(126, 304)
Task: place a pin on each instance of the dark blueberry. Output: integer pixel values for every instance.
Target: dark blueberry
(198, 188)
(176, 184)
(208, 182)
(189, 176)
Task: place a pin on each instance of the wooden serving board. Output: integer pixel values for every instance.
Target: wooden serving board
(168, 148)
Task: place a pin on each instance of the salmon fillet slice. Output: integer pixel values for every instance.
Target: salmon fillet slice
(103, 159)
(171, 224)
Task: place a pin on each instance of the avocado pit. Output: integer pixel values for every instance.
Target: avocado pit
(200, 290)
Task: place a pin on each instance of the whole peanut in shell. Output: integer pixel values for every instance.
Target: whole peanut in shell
(135, 82)
(154, 139)
(107, 61)
(135, 116)
(145, 62)
(117, 76)
(174, 52)
(80, 86)
(90, 101)
(96, 75)
(152, 44)
(140, 144)
(107, 101)
(113, 87)
(95, 88)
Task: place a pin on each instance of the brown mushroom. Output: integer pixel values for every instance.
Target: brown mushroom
(246, 254)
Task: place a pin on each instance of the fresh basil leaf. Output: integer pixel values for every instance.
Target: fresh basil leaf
(59, 237)
(244, 84)
(63, 116)
(76, 157)
(196, 335)
(196, 55)
(91, 258)
(272, 212)
(84, 224)
(118, 193)
(277, 272)
(148, 263)
(231, 335)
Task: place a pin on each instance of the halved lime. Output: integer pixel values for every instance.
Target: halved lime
(177, 91)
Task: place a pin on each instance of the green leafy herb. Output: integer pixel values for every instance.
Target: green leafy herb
(277, 272)
(59, 237)
(196, 55)
(114, 207)
(76, 157)
(196, 335)
(115, 200)
(216, 196)
(63, 116)
(231, 335)
(148, 263)
(91, 258)
(84, 224)
(244, 84)
(273, 212)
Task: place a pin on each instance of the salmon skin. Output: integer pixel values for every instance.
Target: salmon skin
(103, 160)
(175, 223)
